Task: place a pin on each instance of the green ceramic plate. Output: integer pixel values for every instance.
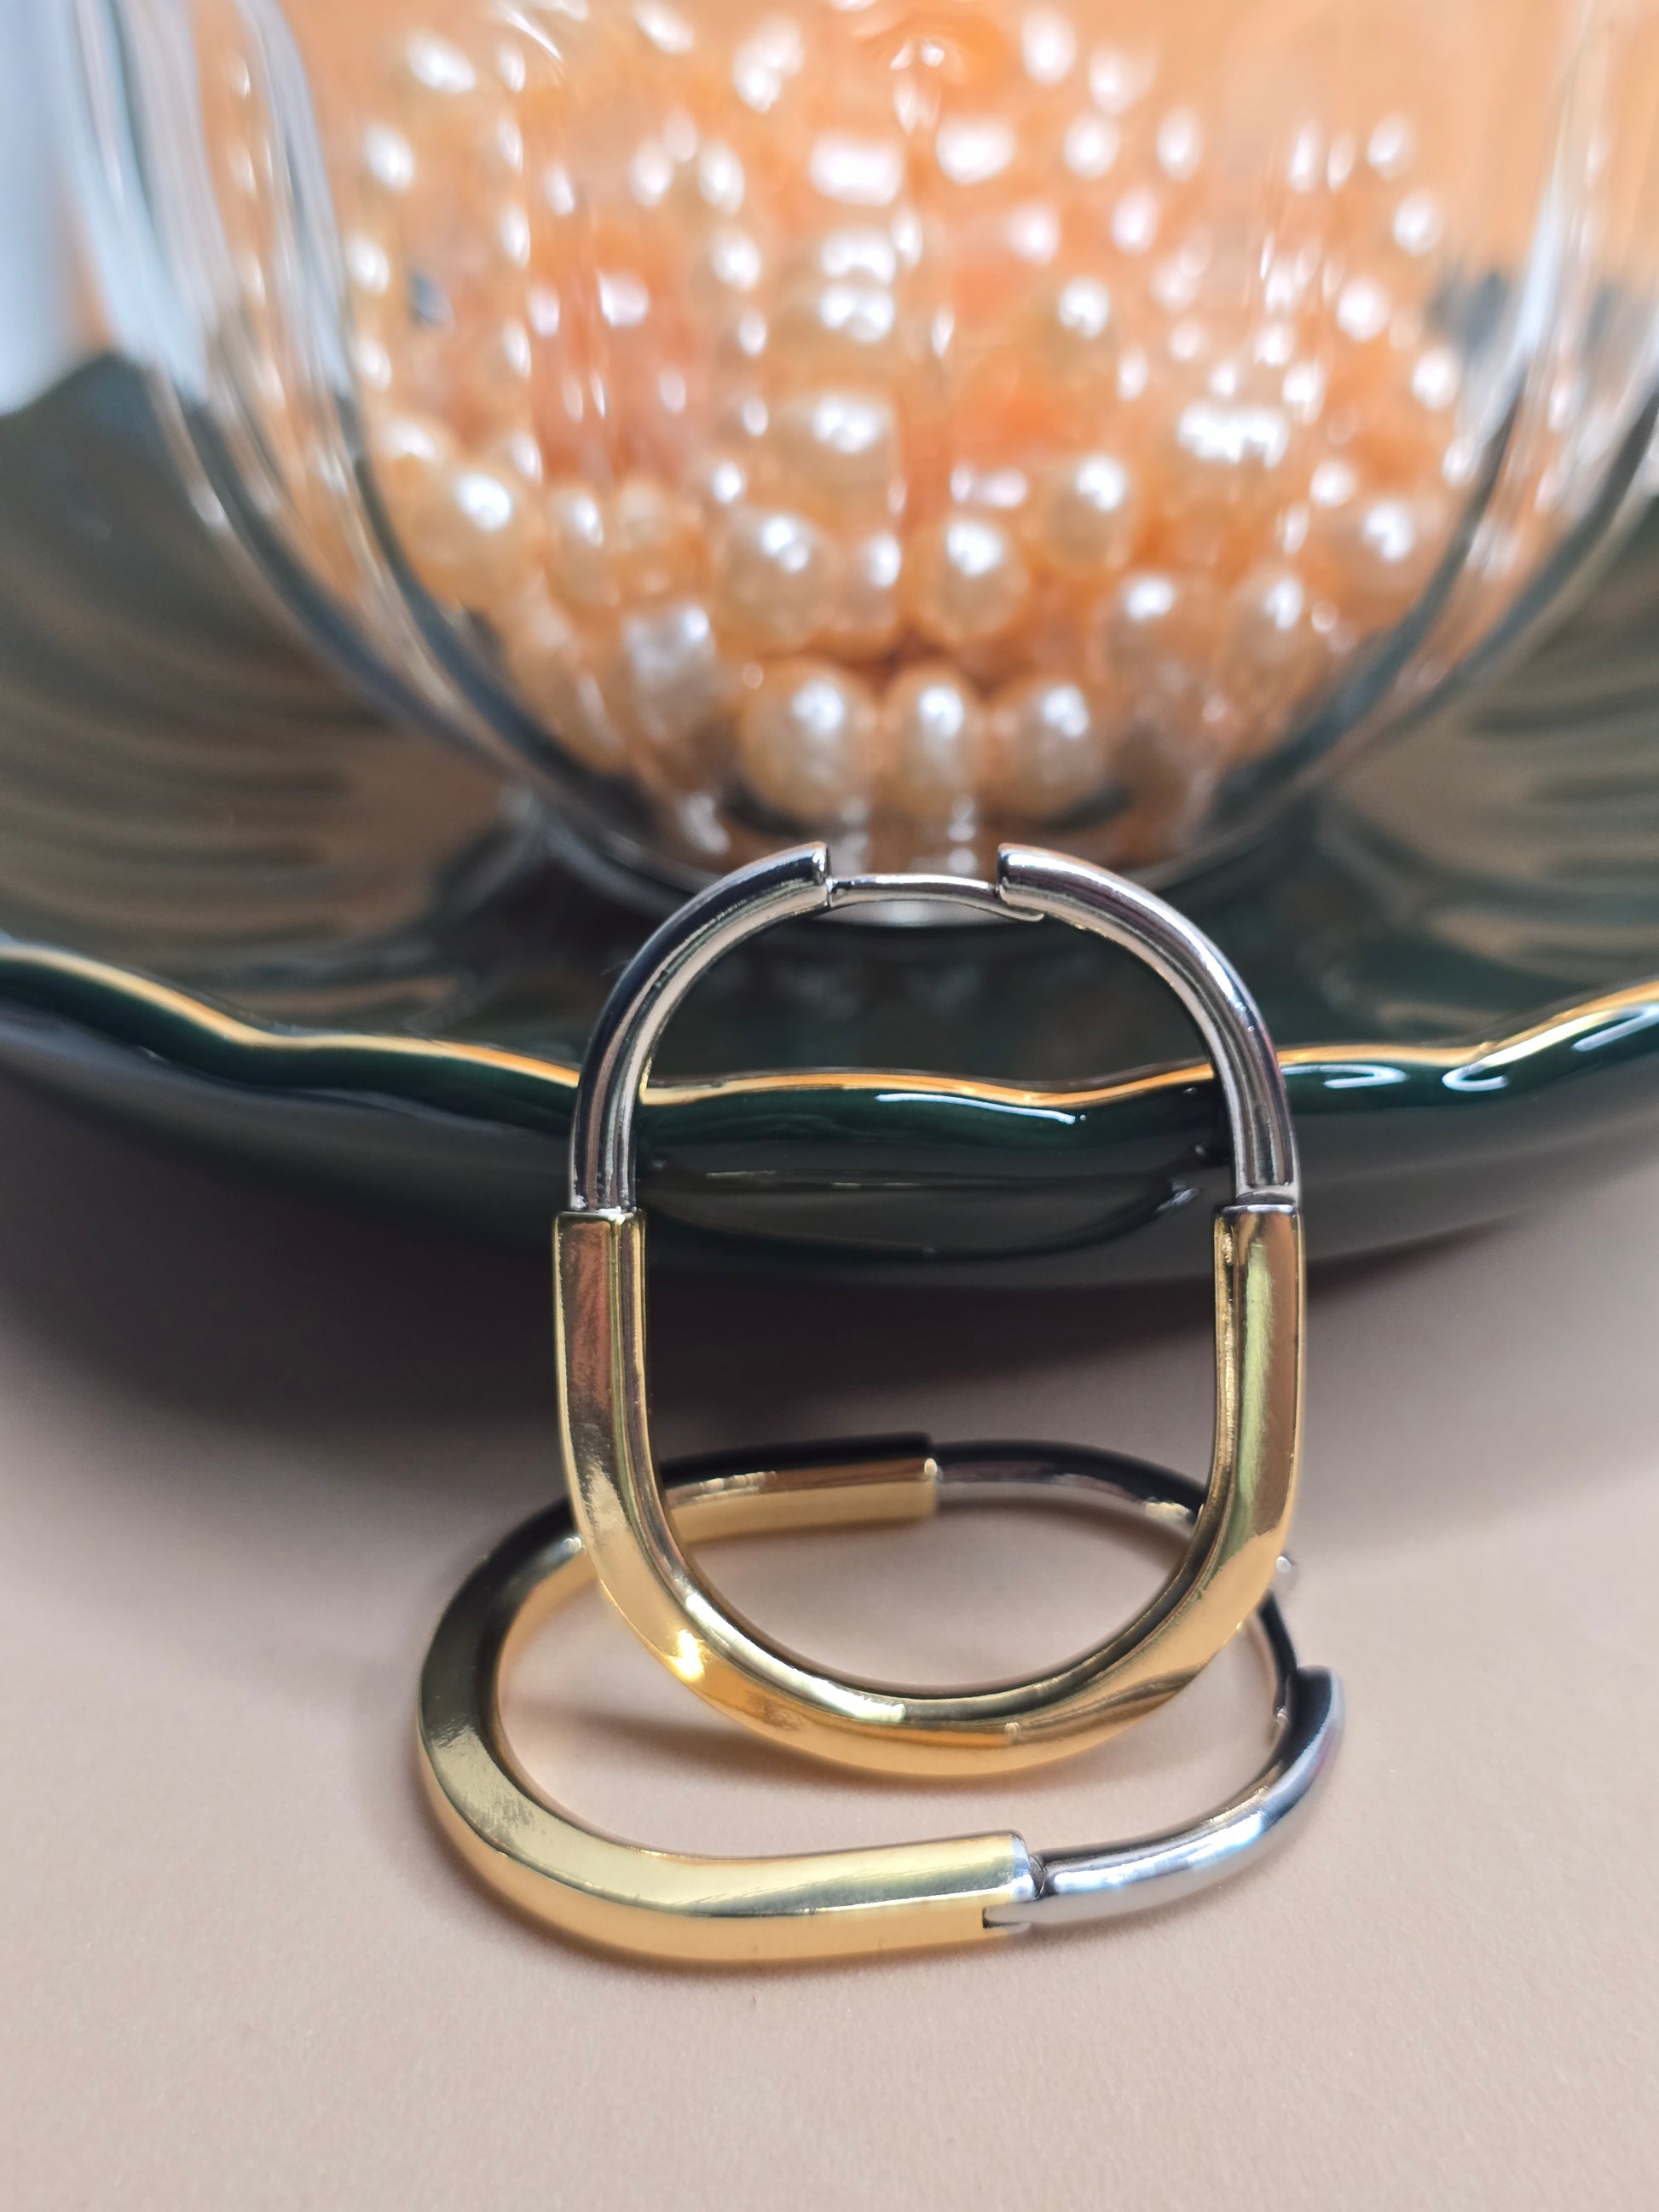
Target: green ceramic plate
(244, 910)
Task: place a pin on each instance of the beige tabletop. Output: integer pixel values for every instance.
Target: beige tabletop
(247, 1444)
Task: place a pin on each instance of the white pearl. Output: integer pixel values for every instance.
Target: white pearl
(774, 578)
(807, 744)
(934, 732)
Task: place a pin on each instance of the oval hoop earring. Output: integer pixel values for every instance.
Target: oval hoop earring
(600, 1320)
(888, 1897)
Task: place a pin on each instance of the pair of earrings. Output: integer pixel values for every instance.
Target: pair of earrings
(629, 1527)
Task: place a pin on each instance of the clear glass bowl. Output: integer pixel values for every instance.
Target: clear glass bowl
(913, 424)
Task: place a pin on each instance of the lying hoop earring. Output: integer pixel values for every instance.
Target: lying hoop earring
(599, 1322)
(891, 1897)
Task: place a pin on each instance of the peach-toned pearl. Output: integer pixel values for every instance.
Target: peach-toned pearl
(495, 381)
(373, 274)
(775, 578)
(576, 555)
(653, 539)
(1051, 748)
(1273, 651)
(808, 744)
(407, 451)
(1085, 516)
(718, 481)
(865, 618)
(1076, 332)
(387, 166)
(470, 535)
(430, 69)
(543, 651)
(934, 730)
(837, 453)
(1373, 551)
(1227, 462)
(966, 579)
(846, 326)
(672, 686)
(1157, 638)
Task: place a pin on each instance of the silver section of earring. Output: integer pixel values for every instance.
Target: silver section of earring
(1030, 885)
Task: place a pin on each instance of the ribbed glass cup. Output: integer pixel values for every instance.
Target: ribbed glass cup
(912, 424)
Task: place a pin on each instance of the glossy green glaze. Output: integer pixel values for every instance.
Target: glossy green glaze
(247, 911)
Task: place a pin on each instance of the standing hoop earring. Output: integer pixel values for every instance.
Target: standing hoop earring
(599, 1318)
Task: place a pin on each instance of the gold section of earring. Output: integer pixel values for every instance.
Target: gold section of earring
(967, 1889)
(817, 1905)
(645, 1572)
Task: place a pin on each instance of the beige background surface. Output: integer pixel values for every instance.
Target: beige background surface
(247, 1448)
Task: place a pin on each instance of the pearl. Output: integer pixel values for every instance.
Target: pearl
(934, 732)
(432, 66)
(845, 326)
(653, 539)
(975, 150)
(576, 555)
(1119, 79)
(775, 578)
(1392, 147)
(672, 686)
(470, 535)
(495, 379)
(1227, 463)
(857, 172)
(837, 453)
(1419, 223)
(865, 618)
(388, 160)
(1047, 45)
(519, 453)
(1051, 743)
(1272, 652)
(1091, 146)
(368, 266)
(1180, 145)
(543, 651)
(966, 579)
(407, 452)
(1373, 552)
(808, 744)
(717, 482)
(1157, 637)
(1085, 516)
(1076, 332)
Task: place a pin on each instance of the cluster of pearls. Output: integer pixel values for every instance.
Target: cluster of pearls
(902, 421)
